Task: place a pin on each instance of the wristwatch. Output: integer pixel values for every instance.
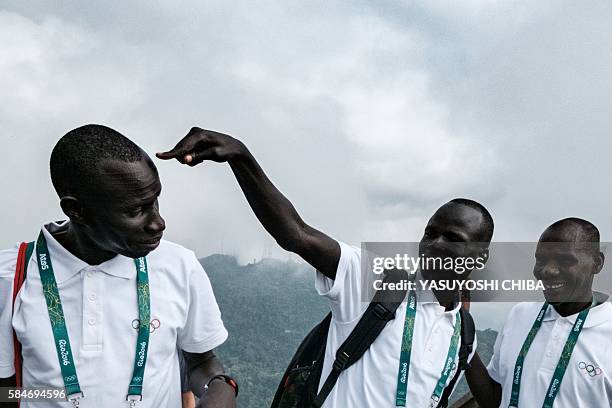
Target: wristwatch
(225, 378)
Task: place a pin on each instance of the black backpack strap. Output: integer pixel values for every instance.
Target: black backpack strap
(310, 352)
(468, 333)
(379, 312)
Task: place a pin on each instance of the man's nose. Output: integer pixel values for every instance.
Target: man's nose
(155, 224)
(549, 271)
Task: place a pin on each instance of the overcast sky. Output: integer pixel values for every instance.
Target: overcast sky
(367, 115)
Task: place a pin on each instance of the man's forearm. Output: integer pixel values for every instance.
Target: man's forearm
(275, 212)
(485, 390)
(202, 369)
(280, 218)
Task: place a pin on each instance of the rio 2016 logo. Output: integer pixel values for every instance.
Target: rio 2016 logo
(154, 325)
(590, 369)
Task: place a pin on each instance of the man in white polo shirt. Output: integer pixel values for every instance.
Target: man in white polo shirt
(373, 380)
(106, 301)
(556, 353)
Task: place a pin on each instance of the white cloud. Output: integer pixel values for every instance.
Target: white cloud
(367, 117)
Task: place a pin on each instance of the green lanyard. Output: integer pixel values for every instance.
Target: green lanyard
(555, 382)
(60, 332)
(406, 351)
(450, 364)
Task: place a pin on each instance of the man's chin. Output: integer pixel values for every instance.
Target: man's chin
(559, 297)
(141, 251)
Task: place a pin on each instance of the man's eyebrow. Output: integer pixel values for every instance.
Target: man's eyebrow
(566, 256)
(451, 233)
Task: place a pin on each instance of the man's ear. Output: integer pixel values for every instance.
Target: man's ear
(484, 254)
(73, 208)
(599, 259)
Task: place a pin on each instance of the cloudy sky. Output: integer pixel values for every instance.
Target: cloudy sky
(367, 115)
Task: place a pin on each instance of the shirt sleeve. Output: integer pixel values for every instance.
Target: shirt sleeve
(345, 291)
(8, 261)
(203, 329)
(494, 368)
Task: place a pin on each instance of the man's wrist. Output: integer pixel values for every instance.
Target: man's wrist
(239, 153)
(225, 379)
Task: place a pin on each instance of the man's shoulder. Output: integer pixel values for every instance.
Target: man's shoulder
(171, 253)
(524, 313)
(8, 261)
(350, 253)
(170, 248)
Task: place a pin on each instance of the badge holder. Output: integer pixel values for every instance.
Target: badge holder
(74, 398)
(132, 399)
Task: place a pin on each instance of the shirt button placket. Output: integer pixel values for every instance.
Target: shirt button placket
(91, 308)
(554, 345)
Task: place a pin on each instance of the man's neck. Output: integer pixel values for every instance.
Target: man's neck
(79, 245)
(570, 308)
(447, 299)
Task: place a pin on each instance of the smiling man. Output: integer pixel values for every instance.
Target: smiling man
(556, 352)
(459, 228)
(106, 301)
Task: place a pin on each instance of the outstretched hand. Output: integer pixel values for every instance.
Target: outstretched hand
(201, 144)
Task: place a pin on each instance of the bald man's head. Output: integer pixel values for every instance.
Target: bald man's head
(574, 230)
(567, 258)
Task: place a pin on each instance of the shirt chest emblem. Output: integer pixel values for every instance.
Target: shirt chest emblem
(154, 324)
(589, 369)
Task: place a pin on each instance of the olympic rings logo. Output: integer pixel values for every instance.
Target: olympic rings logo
(70, 378)
(154, 325)
(590, 369)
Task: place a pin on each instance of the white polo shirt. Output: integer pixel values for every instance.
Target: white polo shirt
(372, 381)
(101, 310)
(581, 386)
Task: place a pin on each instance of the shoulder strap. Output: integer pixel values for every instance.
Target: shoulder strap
(379, 312)
(310, 352)
(468, 333)
(21, 270)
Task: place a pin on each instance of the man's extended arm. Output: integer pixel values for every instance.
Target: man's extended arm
(272, 208)
(485, 390)
(202, 368)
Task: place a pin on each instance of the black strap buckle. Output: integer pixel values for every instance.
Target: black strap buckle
(382, 312)
(341, 361)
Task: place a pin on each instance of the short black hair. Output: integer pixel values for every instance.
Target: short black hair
(586, 231)
(488, 226)
(75, 157)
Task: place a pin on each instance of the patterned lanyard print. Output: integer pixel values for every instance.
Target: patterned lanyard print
(555, 383)
(60, 331)
(406, 351)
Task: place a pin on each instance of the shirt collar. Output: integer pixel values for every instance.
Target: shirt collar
(66, 265)
(598, 314)
(426, 296)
